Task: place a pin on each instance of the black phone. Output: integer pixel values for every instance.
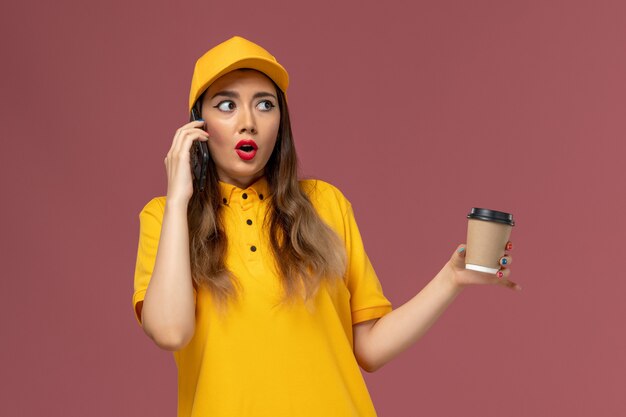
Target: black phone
(199, 159)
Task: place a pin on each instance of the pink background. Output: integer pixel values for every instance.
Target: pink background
(417, 111)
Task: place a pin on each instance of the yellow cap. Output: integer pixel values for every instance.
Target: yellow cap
(232, 54)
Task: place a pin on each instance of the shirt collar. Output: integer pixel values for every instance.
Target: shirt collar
(259, 190)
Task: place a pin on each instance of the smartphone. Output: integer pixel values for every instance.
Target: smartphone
(199, 159)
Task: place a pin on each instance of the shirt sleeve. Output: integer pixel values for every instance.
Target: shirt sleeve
(150, 221)
(367, 300)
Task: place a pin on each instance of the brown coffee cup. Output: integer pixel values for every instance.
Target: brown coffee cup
(488, 232)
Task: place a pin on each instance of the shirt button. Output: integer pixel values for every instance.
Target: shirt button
(253, 248)
(249, 221)
(244, 196)
(261, 196)
(224, 200)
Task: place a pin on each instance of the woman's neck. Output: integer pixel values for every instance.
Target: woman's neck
(240, 182)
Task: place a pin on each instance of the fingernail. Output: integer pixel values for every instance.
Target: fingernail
(504, 261)
(509, 246)
(500, 274)
(460, 250)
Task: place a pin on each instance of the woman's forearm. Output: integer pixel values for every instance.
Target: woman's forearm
(396, 331)
(168, 314)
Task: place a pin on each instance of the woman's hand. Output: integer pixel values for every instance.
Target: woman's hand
(178, 162)
(462, 277)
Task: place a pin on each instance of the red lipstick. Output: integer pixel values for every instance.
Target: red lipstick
(246, 149)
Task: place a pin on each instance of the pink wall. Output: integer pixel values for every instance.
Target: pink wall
(517, 106)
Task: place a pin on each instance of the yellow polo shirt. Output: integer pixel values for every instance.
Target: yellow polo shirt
(262, 360)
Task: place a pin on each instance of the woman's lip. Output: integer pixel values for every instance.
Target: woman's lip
(248, 142)
(246, 156)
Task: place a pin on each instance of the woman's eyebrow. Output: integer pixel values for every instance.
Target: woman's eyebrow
(234, 94)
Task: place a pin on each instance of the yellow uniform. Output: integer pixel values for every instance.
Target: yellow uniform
(266, 361)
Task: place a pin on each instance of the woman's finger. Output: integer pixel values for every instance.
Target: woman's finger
(503, 273)
(506, 260)
(173, 146)
(191, 128)
(509, 284)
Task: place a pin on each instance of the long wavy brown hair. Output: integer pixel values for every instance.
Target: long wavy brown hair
(307, 252)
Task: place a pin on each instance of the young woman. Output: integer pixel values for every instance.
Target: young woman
(259, 283)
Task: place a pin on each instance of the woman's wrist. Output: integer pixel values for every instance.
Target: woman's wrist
(450, 277)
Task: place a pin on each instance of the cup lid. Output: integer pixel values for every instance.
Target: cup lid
(491, 216)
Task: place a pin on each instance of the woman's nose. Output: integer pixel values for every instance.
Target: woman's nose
(247, 121)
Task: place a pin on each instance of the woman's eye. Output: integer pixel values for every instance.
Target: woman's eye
(225, 105)
(266, 105)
